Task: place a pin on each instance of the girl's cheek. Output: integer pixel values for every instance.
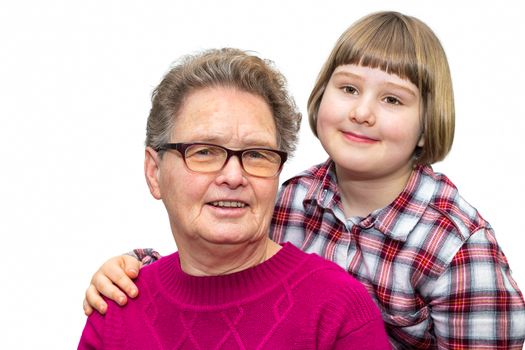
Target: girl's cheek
(321, 124)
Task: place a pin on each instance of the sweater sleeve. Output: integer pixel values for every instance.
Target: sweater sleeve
(91, 338)
(371, 336)
(105, 331)
(350, 319)
(362, 326)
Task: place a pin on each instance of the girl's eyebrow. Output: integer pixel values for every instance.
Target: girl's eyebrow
(347, 74)
(388, 84)
(404, 88)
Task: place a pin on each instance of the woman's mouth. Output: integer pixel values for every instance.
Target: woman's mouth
(228, 204)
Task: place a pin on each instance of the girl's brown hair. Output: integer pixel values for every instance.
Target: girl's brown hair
(407, 47)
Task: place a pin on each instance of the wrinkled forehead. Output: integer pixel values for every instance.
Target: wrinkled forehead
(225, 116)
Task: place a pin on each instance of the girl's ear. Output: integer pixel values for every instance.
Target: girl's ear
(151, 171)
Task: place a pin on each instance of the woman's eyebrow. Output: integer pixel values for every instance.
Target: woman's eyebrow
(247, 141)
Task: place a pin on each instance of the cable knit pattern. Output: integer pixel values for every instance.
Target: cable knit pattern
(291, 301)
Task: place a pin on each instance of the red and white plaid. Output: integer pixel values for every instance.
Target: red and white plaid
(429, 260)
(145, 255)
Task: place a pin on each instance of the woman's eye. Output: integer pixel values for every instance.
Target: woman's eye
(254, 155)
(202, 151)
(392, 100)
(350, 90)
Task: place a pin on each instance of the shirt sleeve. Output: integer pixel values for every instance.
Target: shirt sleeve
(145, 255)
(288, 217)
(476, 303)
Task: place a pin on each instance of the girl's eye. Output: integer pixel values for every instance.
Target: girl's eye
(349, 90)
(392, 100)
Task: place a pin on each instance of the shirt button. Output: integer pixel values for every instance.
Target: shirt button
(367, 223)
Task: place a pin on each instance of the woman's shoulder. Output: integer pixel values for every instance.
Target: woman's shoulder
(336, 289)
(329, 276)
(168, 264)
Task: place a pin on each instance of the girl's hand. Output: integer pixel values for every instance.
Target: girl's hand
(112, 279)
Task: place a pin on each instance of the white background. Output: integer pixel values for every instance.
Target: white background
(75, 83)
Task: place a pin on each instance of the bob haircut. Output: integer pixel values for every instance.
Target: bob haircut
(225, 67)
(407, 47)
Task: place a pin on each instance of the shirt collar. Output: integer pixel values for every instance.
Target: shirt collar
(400, 217)
(322, 187)
(396, 220)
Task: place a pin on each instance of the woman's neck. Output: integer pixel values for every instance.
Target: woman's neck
(361, 195)
(223, 259)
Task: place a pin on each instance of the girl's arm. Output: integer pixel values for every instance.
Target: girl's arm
(115, 277)
(476, 303)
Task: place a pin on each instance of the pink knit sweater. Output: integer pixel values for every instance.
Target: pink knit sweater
(292, 301)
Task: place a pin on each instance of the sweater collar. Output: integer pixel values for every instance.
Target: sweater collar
(218, 291)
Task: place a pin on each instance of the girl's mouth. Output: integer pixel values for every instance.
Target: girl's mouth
(358, 138)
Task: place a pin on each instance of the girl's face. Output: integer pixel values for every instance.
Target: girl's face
(369, 123)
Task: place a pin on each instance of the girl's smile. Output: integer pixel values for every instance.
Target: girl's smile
(358, 138)
(369, 122)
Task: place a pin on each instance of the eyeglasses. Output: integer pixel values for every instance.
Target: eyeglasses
(209, 158)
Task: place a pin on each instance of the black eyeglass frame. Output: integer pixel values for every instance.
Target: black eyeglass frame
(181, 147)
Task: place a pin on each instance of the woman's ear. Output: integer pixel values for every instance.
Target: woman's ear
(151, 171)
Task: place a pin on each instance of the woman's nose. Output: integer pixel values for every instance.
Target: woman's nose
(232, 174)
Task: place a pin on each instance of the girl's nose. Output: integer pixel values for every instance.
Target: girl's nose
(363, 112)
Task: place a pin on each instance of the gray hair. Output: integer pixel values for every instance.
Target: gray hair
(229, 68)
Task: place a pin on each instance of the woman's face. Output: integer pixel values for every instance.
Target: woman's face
(369, 122)
(228, 206)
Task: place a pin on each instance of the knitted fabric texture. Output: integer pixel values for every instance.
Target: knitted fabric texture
(291, 301)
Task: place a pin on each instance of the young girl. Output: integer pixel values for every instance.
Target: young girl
(383, 110)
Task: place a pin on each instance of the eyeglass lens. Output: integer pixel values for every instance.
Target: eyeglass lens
(209, 158)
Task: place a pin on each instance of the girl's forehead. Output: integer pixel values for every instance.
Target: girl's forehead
(361, 70)
(402, 62)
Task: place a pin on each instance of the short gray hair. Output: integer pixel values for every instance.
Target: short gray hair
(226, 67)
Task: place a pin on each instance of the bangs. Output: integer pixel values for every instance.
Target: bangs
(405, 46)
(388, 45)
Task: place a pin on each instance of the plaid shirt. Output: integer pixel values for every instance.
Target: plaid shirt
(429, 260)
(145, 255)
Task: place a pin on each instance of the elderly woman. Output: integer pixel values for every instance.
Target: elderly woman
(218, 133)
